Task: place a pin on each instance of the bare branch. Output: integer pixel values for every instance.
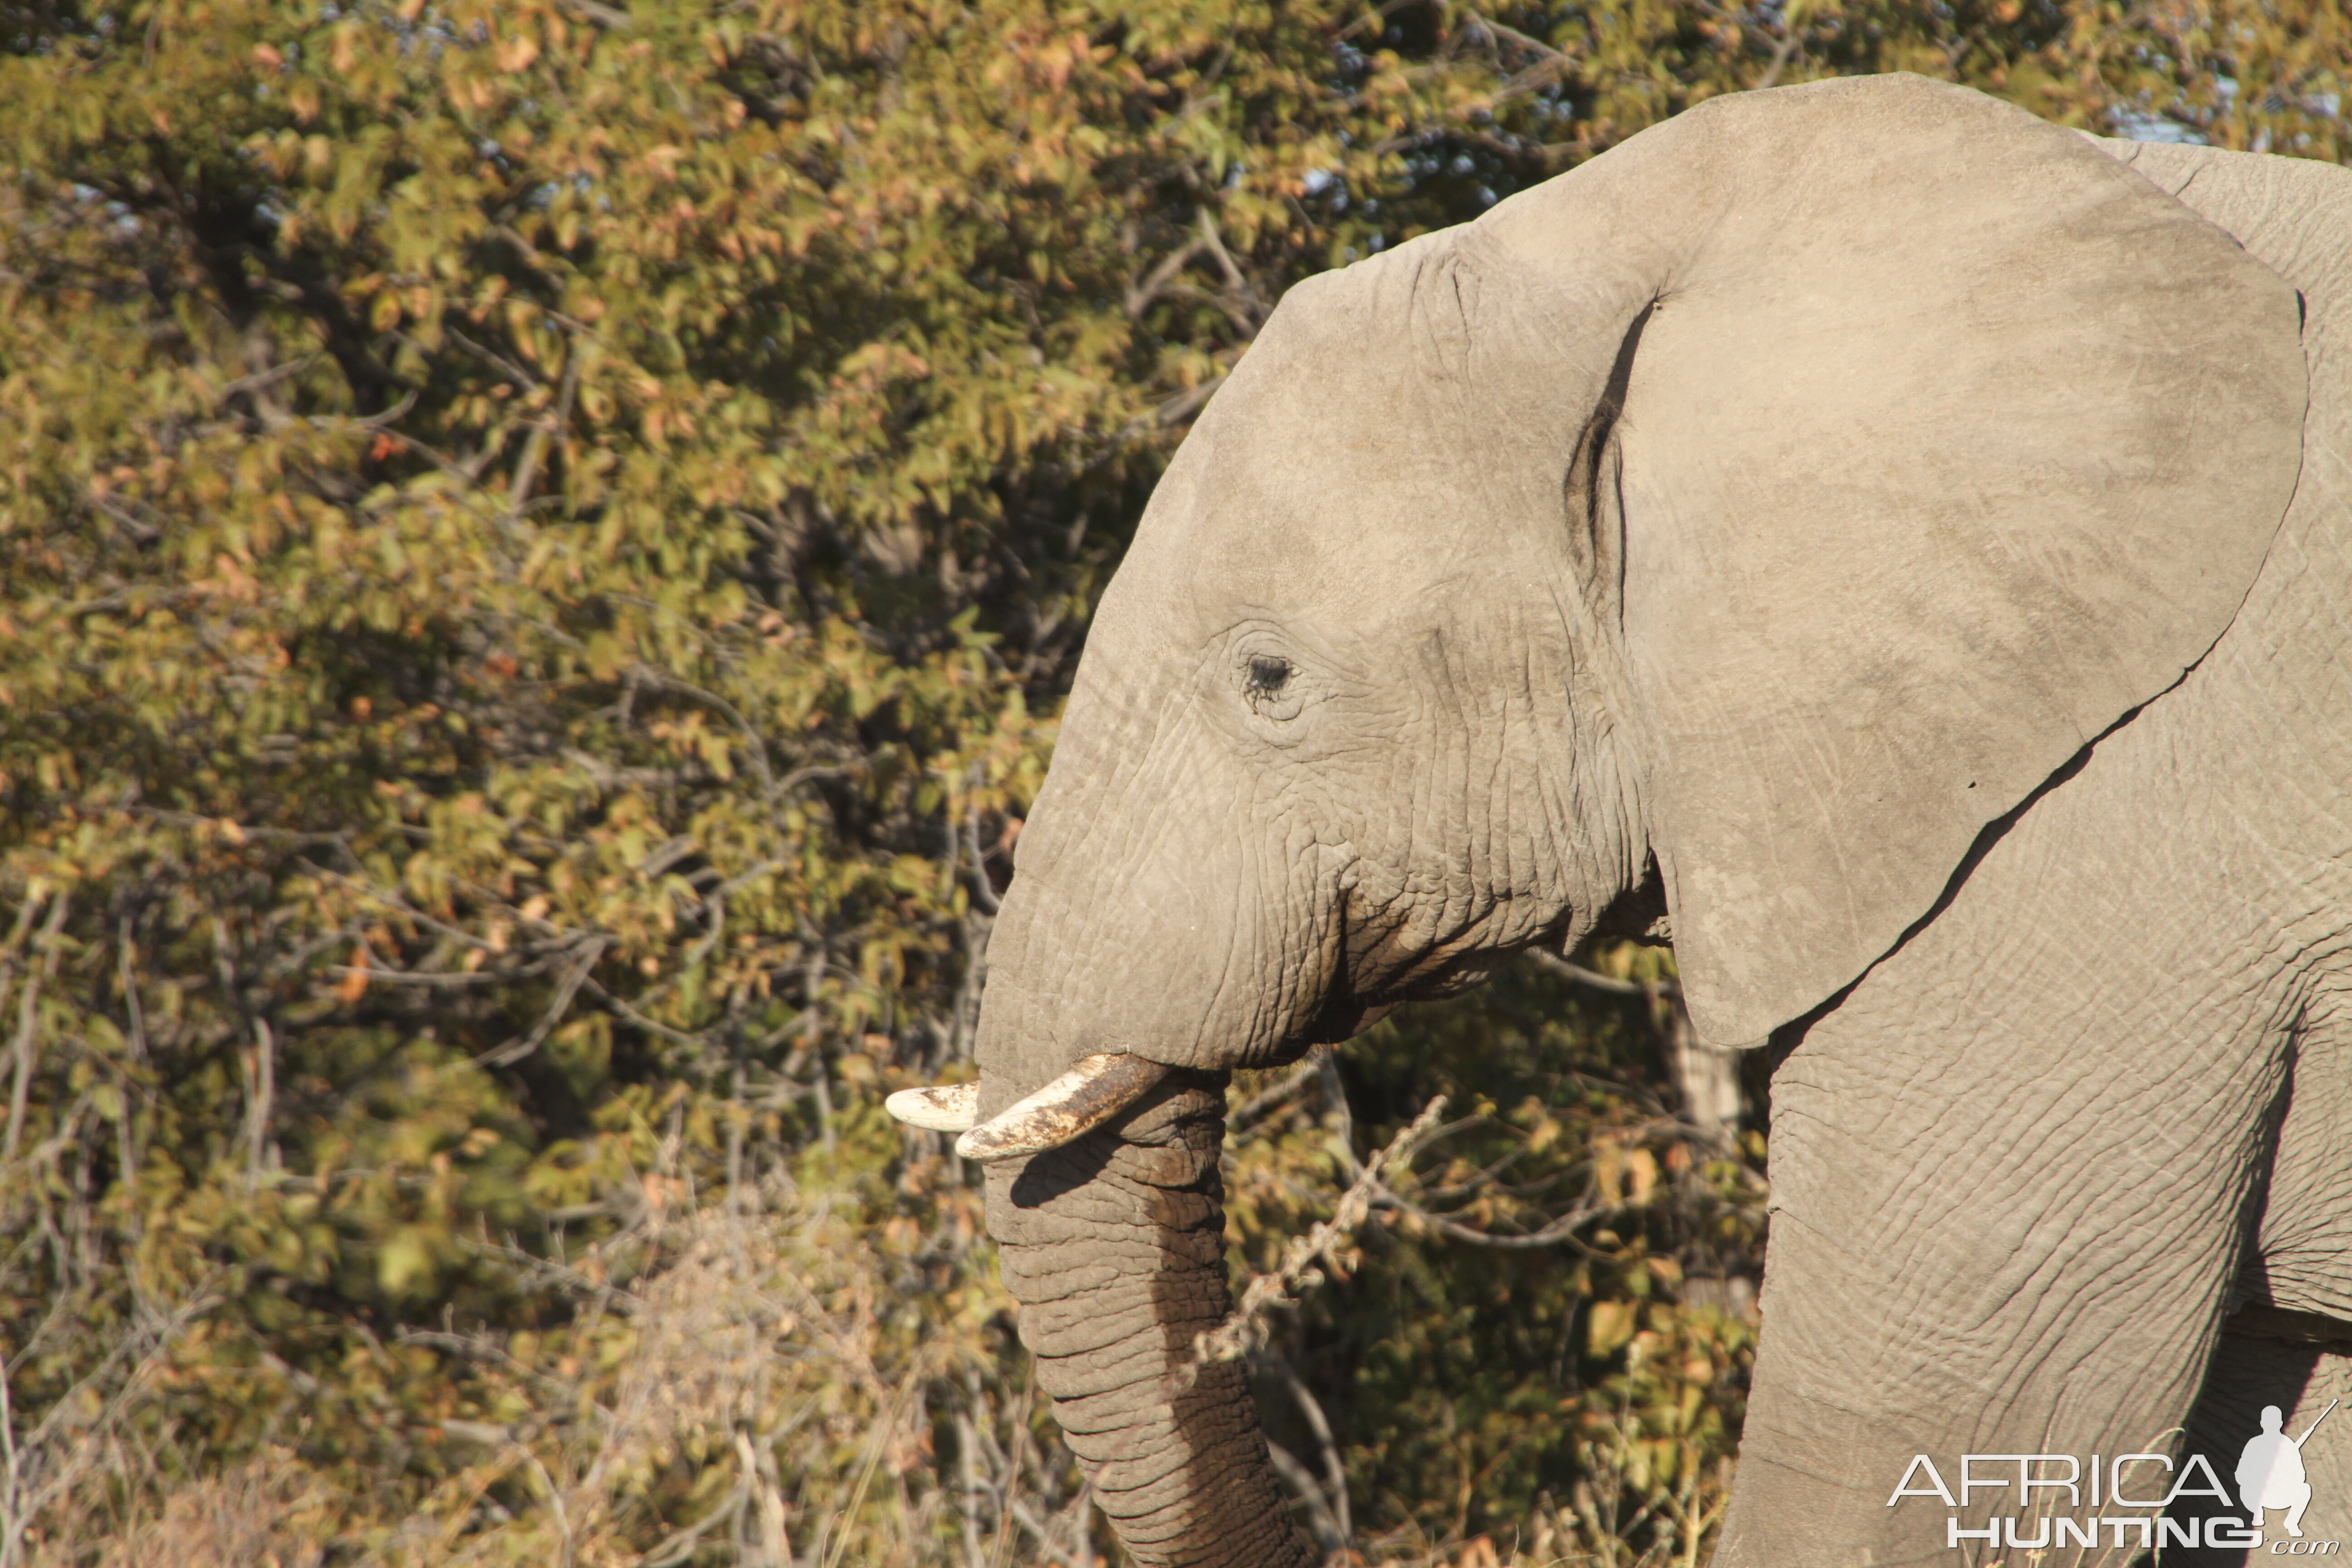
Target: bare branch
(1335, 1474)
(754, 744)
(1278, 1093)
(1319, 1515)
(1782, 53)
(515, 1050)
(534, 447)
(1139, 299)
(602, 15)
(1301, 1260)
(1552, 1235)
(1215, 243)
(1513, 36)
(1594, 980)
(1182, 406)
(650, 1025)
(29, 1020)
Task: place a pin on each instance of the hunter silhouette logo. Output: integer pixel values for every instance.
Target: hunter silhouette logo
(2271, 1473)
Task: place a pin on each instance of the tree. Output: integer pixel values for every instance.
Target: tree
(541, 544)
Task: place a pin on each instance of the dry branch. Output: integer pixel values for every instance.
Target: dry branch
(1302, 1260)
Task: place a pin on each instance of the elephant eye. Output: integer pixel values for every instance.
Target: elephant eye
(1267, 676)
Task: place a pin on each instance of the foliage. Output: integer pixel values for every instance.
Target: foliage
(1558, 1295)
(541, 543)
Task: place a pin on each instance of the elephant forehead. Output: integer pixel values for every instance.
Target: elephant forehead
(1345, 539)
(1333, 487)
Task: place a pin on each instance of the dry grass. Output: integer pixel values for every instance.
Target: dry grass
(770, 1398)
(263, 1514)
(760, 1391)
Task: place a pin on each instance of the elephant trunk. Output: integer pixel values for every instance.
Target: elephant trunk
(1114, 1244)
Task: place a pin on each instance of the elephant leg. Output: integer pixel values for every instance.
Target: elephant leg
(2302, 1257)
(2300, 1363)
(2290, 1344)
(2011, 1181)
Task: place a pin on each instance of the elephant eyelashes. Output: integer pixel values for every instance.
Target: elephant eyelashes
(1267, 676)
(1269, 688)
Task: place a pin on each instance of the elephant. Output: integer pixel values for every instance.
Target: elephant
(1899, 549)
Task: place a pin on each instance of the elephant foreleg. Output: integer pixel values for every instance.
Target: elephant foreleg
(2010, 1193)
(2290, 1343)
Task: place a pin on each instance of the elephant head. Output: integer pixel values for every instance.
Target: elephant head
(1777, 499)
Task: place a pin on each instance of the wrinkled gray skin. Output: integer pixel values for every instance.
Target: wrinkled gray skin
(1911, 542)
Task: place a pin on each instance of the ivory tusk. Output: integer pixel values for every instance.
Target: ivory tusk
(946, 1107)
(1081, 1099)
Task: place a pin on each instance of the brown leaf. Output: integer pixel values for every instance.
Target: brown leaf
(355, 978)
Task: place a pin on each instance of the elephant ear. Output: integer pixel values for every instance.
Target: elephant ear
(1947, 442)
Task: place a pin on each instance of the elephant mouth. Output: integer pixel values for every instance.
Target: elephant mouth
(1099, 1088)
